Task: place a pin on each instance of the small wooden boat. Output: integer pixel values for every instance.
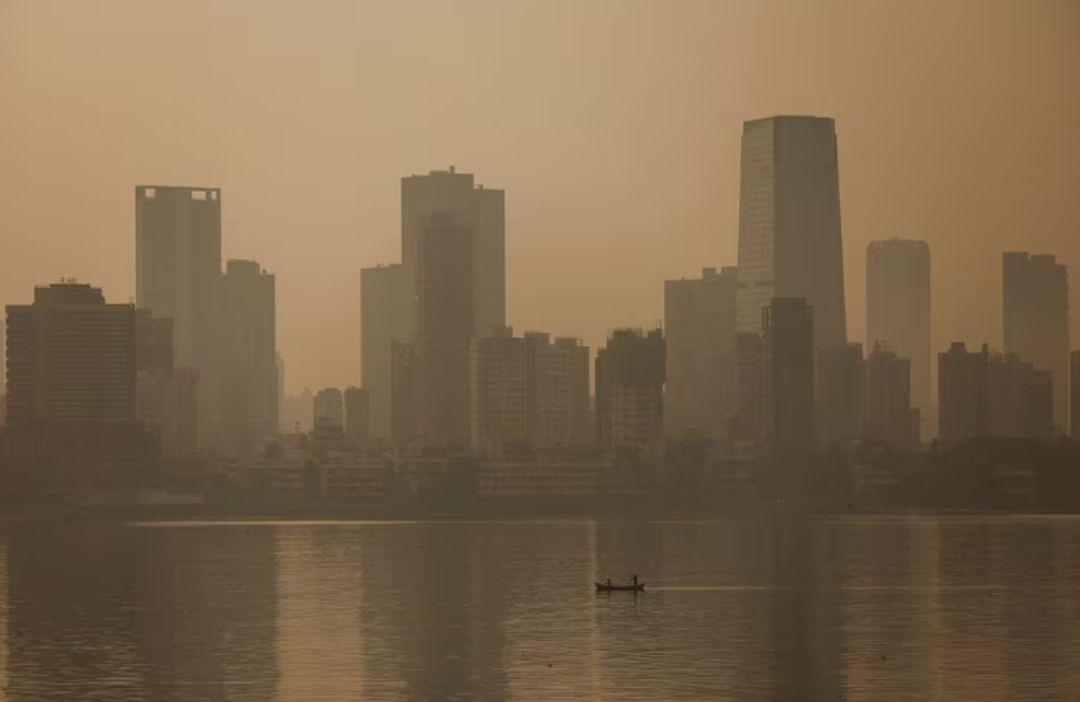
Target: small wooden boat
(605, 587)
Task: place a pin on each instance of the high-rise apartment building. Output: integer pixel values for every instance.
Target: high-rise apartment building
(72, 395)
(187, 407)
(529, 391)
(279, 367)
(449, 288)
(178, 274)
(753, 422)
(178, 262)
(1019, 398)
(450, 200)
(1040, 405)
(1074, 394)
(155, 387)
(898, 307)
(890, 417)
(1036, 319)
(3, 358)
(357, 415)
(405, 393)
(499, 391)
(788, 326)
(3, 375)
(963, 393)
(789, 223)
(699, 326)
(386, 317)
(557, 387)
(630, 390)
(71, 357)
(307, 410)
(329, 414)
(841, 394)
(246, 338)
(444, 332)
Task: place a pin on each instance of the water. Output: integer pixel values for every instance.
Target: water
(888, 608)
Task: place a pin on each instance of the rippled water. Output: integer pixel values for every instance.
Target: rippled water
(964, 608)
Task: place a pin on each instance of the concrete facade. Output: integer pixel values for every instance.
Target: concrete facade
(71, 357)
(898, 307)
(1036, 320)
(386, 317)
(630, 390)
(178, 276)
(963, 393)
(699, 329)
(247, 339)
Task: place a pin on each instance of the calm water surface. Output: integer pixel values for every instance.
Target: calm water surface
(890, 608)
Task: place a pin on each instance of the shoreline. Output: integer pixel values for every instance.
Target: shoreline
(504, 510)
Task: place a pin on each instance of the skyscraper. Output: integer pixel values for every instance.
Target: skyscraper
(387, 317)
(557, 391)
(187, 406)
(963, 393)
(448, 199)
(699, 325)
(155, 387)
(72, 390)
(841, 394)
(3, 357)
(898, 307)
(1019, 398)
(247, 342)
(178, 263)
(178, 275)
(449, 288)
(405, 392)
(1074, 395)
(752, 380)
(3, 375)
(329, 414)
(279, 364)
(789, 223)
(889, 416)
(357, 415)
(630, 390)
(529, 391)
(788, 325)
(71, 357)
(444, 331)
(1036, 320)
(499, 389)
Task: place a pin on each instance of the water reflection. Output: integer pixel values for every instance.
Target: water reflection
(748, 609)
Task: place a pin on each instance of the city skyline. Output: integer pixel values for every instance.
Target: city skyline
(310, 193)
(620, 349)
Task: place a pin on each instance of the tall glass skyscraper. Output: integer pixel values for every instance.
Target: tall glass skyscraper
(789, 223)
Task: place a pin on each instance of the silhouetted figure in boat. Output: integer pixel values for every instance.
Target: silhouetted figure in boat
(634, 578)
(609, 582)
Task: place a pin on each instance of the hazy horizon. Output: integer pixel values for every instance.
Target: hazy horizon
(613, 126)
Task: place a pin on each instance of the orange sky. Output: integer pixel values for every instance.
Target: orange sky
(613, 125)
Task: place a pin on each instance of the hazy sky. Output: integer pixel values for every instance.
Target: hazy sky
(614, 126)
